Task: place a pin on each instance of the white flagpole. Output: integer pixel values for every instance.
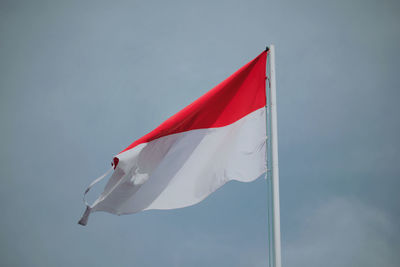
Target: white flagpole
(275, 167)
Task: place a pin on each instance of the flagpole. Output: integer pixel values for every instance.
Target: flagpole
(275, 167)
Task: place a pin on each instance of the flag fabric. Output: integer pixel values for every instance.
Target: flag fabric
(218, 138)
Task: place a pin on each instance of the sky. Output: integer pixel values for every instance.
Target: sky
(81, 80)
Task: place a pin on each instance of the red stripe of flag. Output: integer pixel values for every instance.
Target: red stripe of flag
(240, 94)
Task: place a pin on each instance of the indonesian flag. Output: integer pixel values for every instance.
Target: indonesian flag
(218, 138)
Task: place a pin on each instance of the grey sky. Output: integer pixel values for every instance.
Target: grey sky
(80, 80)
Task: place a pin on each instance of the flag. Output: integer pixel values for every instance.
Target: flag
(218, 138)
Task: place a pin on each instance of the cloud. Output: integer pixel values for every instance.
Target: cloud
(344, 232)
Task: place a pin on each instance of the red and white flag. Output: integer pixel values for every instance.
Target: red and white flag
(219, 137)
